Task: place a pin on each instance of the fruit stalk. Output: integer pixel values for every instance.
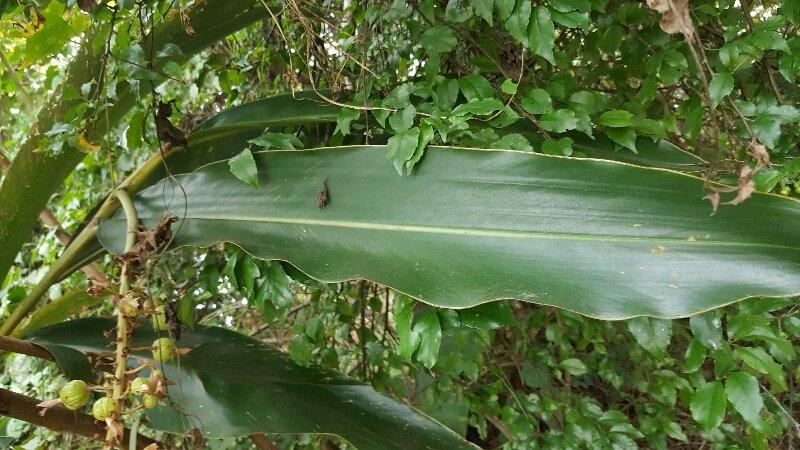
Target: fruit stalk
(123, 325)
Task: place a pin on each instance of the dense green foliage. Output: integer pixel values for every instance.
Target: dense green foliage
(549, 76)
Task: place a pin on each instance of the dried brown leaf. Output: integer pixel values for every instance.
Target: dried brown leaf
(187, 25)
(675, 17)
(759, 154)
(149, 242)
(745, 191)
(165, 130)
(746, 186)
(661, 6)
(117, 430)
(713, 197)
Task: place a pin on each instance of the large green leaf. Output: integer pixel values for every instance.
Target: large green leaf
(604, 239)
(227, 133)
(232, 385)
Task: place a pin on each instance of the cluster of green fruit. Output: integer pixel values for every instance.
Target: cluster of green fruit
(786, 190)
(76, 393)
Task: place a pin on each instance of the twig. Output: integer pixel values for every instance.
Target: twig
(501, 427)
(24, 348)
(793, 421)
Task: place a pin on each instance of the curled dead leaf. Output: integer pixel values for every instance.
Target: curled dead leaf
(117, 430)
(86, 145)
(187, 26)
(149, 242)
(97, 289)
(661, 6)
(675, 17)
(746, 186)
(713, 197)
(759, 154)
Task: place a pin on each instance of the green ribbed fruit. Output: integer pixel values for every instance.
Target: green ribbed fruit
(103, 408)
(140, 386)
(74, 394)
(149, 401)
(163, 349)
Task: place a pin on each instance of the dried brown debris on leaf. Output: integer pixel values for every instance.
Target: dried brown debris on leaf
(324, 195)
(674, 16)
(746, 186)
(149, 242)
(174, 322)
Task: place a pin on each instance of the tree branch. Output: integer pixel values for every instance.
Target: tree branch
(24, 347)
(60, 419)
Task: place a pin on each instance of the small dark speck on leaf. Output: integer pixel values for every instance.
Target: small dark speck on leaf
(324, 195)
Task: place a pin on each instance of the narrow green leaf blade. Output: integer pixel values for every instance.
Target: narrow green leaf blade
(234, 385)
(639, 242)
(71, 303)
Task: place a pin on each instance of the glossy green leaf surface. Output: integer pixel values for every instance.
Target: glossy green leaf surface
(232, 385)
(661, 154)
(227, 133)
(708, 404)
(604, 239)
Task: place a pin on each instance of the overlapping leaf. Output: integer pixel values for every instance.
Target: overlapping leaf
(231, 385)
(603, 239)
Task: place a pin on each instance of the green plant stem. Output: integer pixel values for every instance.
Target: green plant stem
(121, 357)
(73, 251)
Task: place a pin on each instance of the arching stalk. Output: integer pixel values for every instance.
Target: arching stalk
(123, 325)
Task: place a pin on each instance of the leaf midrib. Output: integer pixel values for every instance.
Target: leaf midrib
(480, 232)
